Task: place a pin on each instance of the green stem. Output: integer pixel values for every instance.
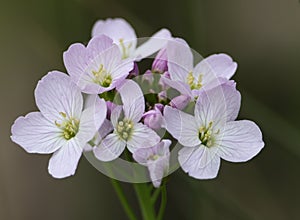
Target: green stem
(155, 195)
(144, 198)
(123, 199)
(163, 202)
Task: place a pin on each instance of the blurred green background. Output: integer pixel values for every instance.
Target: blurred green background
(262, 36)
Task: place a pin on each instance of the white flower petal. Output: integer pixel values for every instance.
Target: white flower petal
(56, 93)
(116, 29)
(133, 100)
(182, 87)
(182, 126)
(76, 62)
(158, 169)
(142, 137)
(105, 129)
(63, 162)
(180, 59)
(110, 148)
(199, 162)
(217, 105)
(154, 44)
(101, 45)
(36, 134)
(115, 115)
(241, 141)
(91, 119)
(214, 66)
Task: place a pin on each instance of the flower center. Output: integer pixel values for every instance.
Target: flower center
(206, 135)
(69, 126)
(124, 129)
(153, 157)
(125, 50)
(102, 77)
(192, 83)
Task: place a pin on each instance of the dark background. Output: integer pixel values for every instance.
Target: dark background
(262, 36)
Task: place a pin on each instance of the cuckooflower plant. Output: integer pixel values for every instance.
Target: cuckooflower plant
(73, 119)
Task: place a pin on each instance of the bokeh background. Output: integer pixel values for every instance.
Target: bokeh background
(262, 36)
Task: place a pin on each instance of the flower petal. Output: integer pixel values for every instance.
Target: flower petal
(116, 29)
(214, 66)
(182, 126)
(158, 169)
(154, 44)
(180, 86)
(115, 115)
(76, 61)
(142, 137)
(36, 134)
(180, 59)
(241, 141)
(133, 100)
(199, 162)
(217, 105)
(105, 129)
(98, 45)
(56, 93)
(63, 162)
(91, 119)
(110, 148)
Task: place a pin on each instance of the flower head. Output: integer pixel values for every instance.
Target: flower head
(156, 159)
(124, 36)
(63, 126)
(212, 133)
(188, 79)
(98, 67)
(128, 131)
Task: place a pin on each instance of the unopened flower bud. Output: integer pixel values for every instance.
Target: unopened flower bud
(148, 77)
(153, 118)
(160, 62)
(180, 102)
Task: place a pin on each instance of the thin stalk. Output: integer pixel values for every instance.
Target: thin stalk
(144, 199)
(163, 202)
(155, 195)
(123, 200)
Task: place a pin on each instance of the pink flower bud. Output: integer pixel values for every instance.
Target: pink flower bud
(148, 77)
(161, 82)
(180, 102)
(160, 62)
(162, 96)
(153, 118)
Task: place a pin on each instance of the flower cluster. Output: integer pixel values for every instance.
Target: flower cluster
(102, 105)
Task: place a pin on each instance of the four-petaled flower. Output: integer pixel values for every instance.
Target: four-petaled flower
(128, 131)
(212, 133)
(124, 36)
(186, 78)
(156, 159)
(98, 67)
(64, 124)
